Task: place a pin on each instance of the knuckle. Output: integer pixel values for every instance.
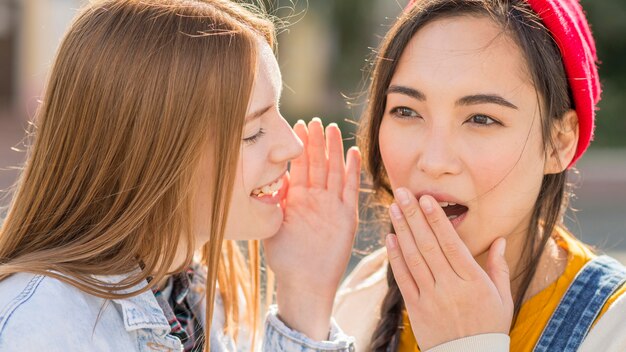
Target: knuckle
(410, 211)
(428, 247)
(400, 226)
(395, 256)
(415, 261)
(434, 219)
(450, 248)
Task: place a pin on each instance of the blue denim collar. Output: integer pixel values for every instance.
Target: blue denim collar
(141, 311)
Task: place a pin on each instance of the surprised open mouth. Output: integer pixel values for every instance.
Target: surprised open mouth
(453, 210)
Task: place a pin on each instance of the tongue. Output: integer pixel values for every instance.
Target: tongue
(456, 209)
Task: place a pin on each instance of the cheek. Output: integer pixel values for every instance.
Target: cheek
(394, 151)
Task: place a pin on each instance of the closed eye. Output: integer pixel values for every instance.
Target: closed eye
(253, 139)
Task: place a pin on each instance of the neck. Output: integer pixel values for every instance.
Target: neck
(550, 267)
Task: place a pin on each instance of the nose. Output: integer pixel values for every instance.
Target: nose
(439, 156)
(286, 145)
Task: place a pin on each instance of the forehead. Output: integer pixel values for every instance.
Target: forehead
(471, 51)
(268, 72)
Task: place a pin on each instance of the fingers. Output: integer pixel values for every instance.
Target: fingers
(411, 255)
(318, 160)
(453, 248)
(336, 164)
(352, 178)
(401, 272)
(299, 170)
(286, 182)
(498, 271)
(423, 235)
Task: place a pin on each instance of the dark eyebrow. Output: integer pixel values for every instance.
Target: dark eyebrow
(467, 100)
(413, 93)
(257, 114)
(485, 99)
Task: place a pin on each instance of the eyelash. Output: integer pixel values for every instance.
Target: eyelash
(255, 138)
(396, 112)
(492, 120)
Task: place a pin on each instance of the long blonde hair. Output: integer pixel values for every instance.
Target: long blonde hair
(138, 91)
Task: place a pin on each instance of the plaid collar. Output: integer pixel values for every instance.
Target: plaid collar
(182, 319)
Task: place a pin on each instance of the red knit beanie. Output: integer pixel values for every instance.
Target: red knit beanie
(565, 19)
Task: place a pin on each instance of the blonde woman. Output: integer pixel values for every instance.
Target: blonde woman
(159, 135)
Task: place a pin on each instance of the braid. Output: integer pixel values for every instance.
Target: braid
(385, 336)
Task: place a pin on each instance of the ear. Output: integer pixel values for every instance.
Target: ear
(565, 139)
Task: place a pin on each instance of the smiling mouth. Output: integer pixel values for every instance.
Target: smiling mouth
(453, 210)
(269, 189)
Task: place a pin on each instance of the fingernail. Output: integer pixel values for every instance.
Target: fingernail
(392, 241)
(300, 122)
(395, 211)
(403, 196)
(332, 124)
(317, 119)
(427, 204)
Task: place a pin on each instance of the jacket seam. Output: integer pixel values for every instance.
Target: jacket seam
(20, 299)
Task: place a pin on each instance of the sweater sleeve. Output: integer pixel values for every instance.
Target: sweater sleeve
(476, 343)
(279, 337)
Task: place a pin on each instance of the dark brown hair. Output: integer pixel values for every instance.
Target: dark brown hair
(542, 56)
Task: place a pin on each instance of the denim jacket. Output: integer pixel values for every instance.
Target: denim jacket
(40, 313)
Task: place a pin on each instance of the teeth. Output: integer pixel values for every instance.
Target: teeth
(452, 217)
(270, 189)
(443, 204)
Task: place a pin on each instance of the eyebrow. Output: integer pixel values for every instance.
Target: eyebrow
(258, 113)
(474, 99)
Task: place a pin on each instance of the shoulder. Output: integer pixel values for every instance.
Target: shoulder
(370, 271)
(43, 306)
(360, 296)
(609, 332)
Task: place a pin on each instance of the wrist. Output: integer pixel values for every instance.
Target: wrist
(305, 310)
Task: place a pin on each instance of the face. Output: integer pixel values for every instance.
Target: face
(268, 145)
(462, 124)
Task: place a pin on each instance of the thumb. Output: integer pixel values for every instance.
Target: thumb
(498, 271)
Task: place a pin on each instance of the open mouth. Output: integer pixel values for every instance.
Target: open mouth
(270, 189)
(453, 210)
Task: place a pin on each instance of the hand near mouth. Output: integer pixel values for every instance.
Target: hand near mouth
(447, 294)
(311, 251)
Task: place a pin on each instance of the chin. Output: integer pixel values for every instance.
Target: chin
(255, 229)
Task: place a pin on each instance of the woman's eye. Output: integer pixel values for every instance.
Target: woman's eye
(404, 112)
(253, 139)
(483, 120)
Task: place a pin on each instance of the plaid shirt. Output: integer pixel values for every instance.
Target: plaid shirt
(178, 312)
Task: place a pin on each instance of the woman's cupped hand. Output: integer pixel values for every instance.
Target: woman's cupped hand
(311, 251)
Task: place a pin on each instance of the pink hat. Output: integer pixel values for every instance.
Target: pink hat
(566, 22)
